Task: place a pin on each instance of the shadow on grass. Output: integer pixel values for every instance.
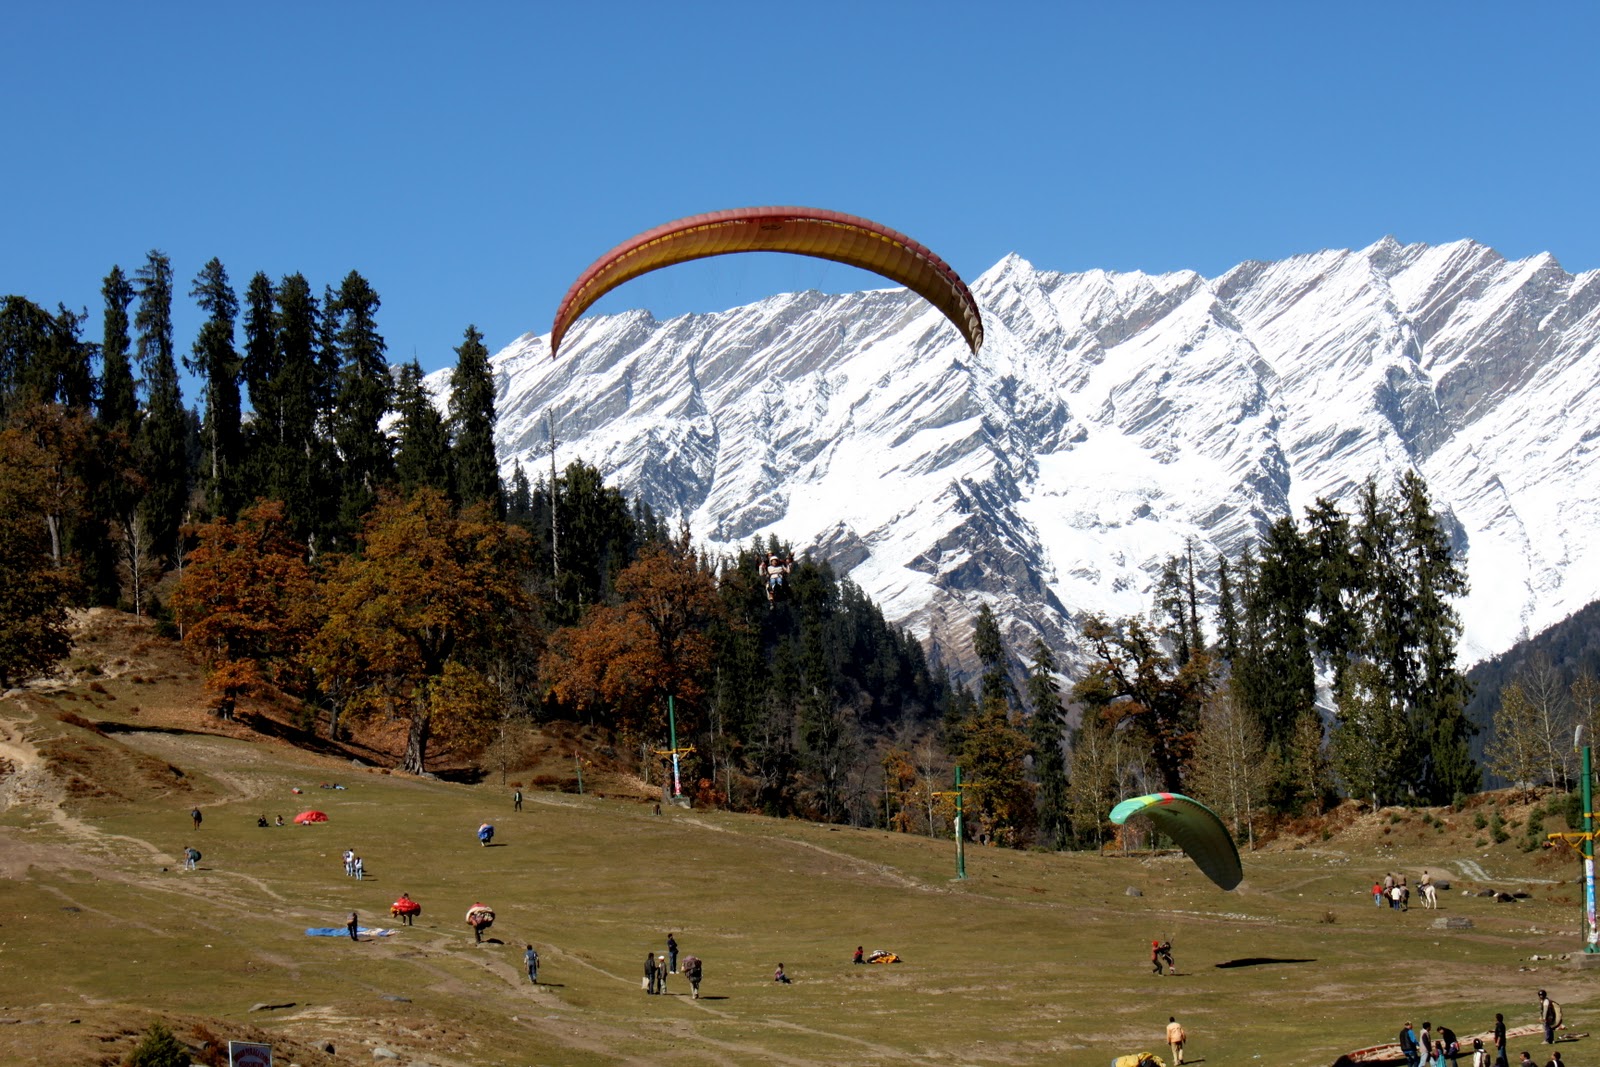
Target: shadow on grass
(462, 775)
(1255, 961)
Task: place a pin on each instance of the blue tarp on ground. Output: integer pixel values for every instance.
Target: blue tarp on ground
(344, 931)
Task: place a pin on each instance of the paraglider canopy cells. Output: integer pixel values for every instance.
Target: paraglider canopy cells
(799, 231)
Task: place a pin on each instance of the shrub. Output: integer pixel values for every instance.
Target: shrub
(72, 718)
(1497, 829)
(1478, 821)
(1572, 809)
(158, 1048)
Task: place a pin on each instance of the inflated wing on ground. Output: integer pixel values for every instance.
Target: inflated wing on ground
(1194, 827)
(800, 231)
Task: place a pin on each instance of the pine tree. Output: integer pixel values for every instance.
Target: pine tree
(119, 405)
(362, 399)
(1369, 747)
(1335, 630)
(472, 420)
(25, 338)
(990, 649)
(218, 365)
(1046, 726)
(261, 367)
(999, 798)
(158, 1048)
(422, 452)
(1440, 698)
(1285, 588)
(161, 450)
(301, 478)
(1227, 614)
(520, 506)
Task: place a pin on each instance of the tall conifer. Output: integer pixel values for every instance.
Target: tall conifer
(472, 419)
(162, 447)
(119, 404)
(218, 365)
(1046, 727)
(301, 480)
(363, 391)
(422, 446)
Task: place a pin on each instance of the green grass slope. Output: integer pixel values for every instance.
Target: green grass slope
(1033, 959)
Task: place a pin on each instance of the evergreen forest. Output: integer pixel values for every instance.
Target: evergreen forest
(318, 533)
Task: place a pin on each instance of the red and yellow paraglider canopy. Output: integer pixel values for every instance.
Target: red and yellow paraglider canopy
(800, 231)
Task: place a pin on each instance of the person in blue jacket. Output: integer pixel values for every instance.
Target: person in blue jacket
(1408, 1045)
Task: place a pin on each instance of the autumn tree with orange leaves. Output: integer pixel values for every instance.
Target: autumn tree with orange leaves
(621, 662)
(247, 603)
(412, 620)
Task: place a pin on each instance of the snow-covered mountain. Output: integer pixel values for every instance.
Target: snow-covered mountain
(1108, 419)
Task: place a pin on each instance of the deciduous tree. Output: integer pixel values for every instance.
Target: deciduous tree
(429, 589)
(247, 603)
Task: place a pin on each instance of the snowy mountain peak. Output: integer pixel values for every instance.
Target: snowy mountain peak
(1109, 419)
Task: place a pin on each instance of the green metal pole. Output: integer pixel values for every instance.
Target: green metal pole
(579, 763)
(961, 837)
(672, 729)
(1591, 941)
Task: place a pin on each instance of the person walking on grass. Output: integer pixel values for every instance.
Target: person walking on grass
(650, 973)
(195, 815)
(672, 954)
(516, 801)
(692, 969)
(1175, 1038)
(530, 960)
(359, 869)
(1500, 1040)
(352, 925)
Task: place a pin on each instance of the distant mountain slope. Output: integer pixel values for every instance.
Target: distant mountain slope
(1108, 420)
(1572, 646)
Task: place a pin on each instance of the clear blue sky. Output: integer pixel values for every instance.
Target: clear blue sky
(470, 160)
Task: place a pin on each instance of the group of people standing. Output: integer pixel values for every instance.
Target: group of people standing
(1438, 1046)
(658, 965)
(353, 867)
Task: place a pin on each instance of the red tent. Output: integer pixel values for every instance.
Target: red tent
(310, 816)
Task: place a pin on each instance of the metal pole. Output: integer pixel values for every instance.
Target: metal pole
(579, 763)
(672, 728)
(961, 851)
(1591, 941)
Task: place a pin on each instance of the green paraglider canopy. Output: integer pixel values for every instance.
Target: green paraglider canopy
(1194, 827)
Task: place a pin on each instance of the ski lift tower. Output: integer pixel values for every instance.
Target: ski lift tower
(676, 795)
(961, 852)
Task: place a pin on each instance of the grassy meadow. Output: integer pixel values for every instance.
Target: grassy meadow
(1033, 959)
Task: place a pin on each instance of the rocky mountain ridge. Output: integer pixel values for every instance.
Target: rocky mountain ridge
(1108, 420)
